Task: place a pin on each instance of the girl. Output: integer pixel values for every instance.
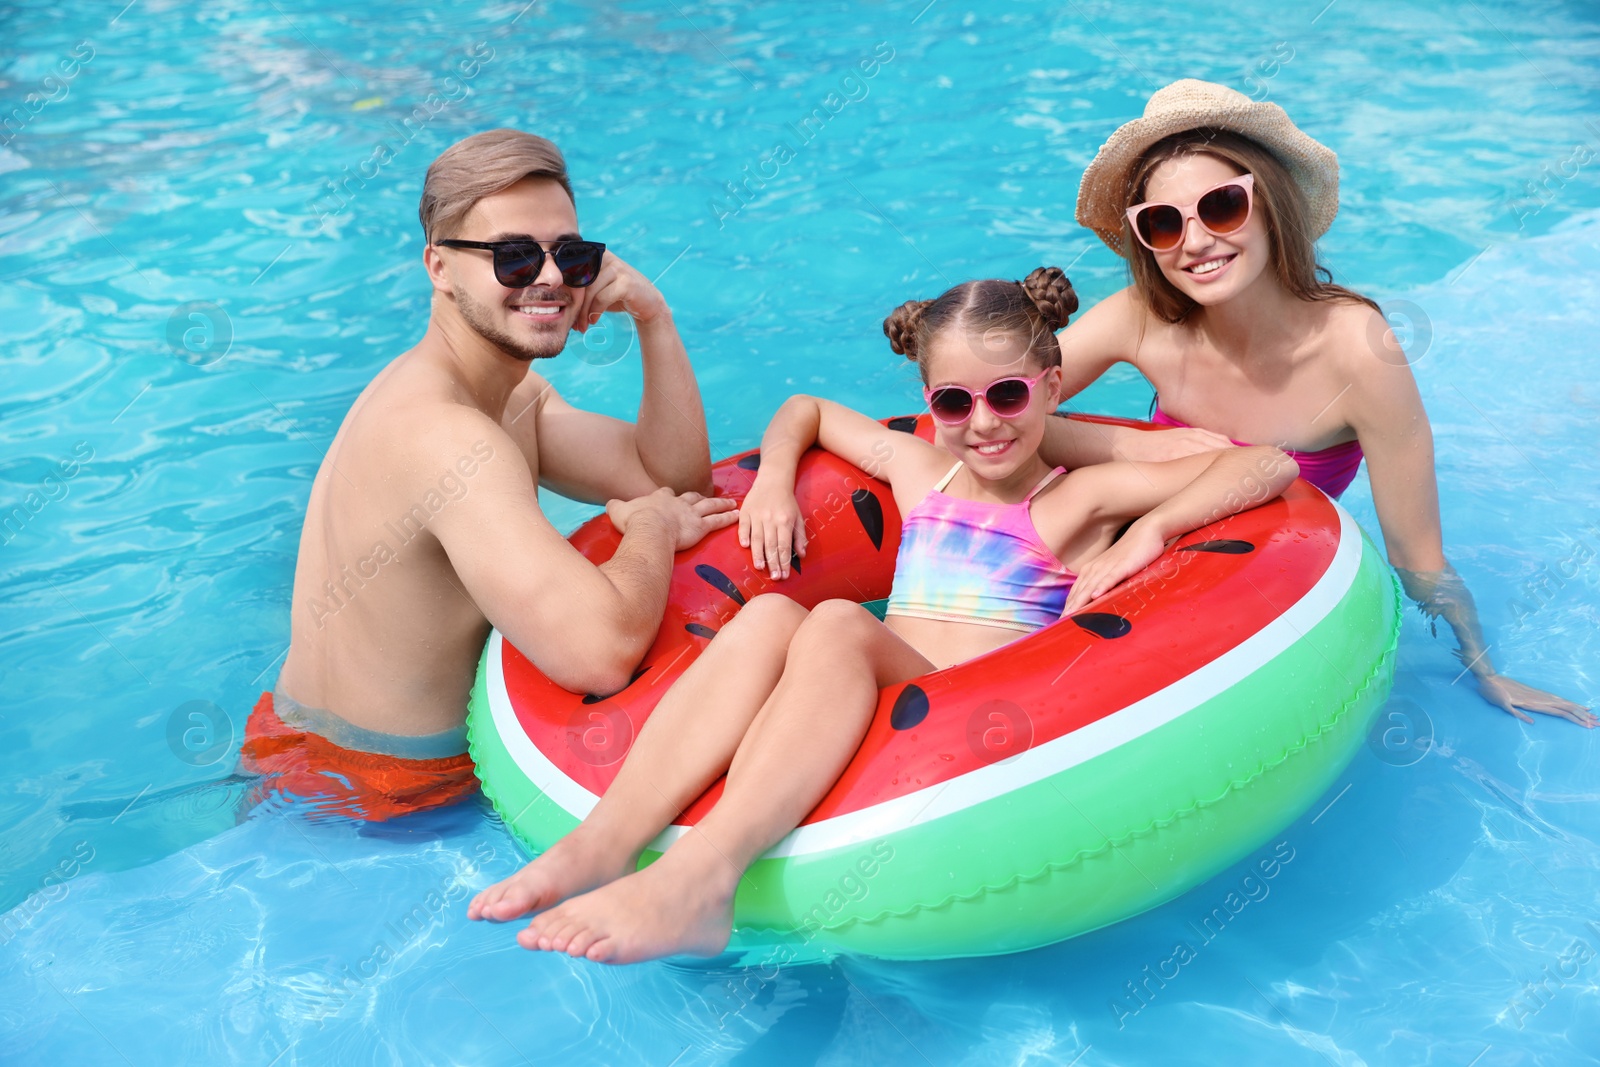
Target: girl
(1215, 200)
(992, 547)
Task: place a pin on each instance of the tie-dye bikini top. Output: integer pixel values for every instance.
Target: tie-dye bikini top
(970, 561)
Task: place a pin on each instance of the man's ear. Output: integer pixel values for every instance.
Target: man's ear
(433, 262)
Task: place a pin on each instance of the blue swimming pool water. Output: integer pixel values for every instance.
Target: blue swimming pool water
(187, 312)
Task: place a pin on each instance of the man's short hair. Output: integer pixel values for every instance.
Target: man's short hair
(480, 166)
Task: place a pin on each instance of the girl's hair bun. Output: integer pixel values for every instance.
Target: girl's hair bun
(1052, 294)
(905, 323)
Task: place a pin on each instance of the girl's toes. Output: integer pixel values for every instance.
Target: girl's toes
(580, 942)
(559, 937)
(535, 933)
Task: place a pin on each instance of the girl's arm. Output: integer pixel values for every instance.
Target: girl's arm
(1106, 334)
(1385, 409)
(1169, 499)
(770, 523)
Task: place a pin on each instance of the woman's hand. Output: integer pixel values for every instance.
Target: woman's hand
(1158, 446)
(771, 527)
(1442, 594)
(1136, 550)
(1510, 694)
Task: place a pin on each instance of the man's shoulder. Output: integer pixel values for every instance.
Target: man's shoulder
(447, 431)
(403, 426)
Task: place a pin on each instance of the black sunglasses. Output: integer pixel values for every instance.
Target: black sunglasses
(518, 263)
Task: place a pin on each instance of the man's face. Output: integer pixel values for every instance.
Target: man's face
(532, 322)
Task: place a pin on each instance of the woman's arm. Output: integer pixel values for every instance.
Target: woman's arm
(1385, 409)
(1074, 443)
(770, 523)
(1106, 334)
(1169, 499)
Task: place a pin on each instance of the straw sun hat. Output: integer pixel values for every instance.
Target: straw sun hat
(1190, 104)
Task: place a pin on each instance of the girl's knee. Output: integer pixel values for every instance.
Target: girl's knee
(775, 602)
(767, 614)
(835, 618)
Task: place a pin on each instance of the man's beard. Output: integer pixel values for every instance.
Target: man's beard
(479, 317)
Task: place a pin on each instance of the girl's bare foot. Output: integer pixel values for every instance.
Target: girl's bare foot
(681, 904)
(575, 864)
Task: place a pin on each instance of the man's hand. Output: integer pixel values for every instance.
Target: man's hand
(1158, 446)
(1136, 550)
(618, 287)
(690, 516)
(771, 527)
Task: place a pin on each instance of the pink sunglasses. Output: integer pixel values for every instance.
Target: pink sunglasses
(1220, 210)
(1006, 397)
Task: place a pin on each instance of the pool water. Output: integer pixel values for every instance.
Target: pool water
(188, 309)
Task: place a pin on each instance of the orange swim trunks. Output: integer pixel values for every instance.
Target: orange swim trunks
(345, 781)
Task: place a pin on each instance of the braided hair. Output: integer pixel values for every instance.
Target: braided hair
(1034, 308)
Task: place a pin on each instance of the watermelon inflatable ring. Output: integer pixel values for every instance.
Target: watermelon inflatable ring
(1078, 776)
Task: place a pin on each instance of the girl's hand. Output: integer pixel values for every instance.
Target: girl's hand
(771, 527)
(1137, 549)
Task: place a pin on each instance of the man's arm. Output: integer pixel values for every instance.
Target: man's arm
(585, 627)
(670, 436)
(595, 457)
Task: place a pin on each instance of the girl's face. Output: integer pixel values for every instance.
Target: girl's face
(992, 447)
(1206, 268)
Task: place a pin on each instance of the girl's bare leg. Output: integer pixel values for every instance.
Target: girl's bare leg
(798, 745)
(686, 743)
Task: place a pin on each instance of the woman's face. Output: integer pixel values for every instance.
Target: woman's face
(991, 447)
(1206, 268)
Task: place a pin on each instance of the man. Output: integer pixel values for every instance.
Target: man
(424, 527)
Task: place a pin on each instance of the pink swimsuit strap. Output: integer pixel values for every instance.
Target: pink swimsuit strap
(974, 561)
(1330, 469)
(962, 504)
(1013, 519)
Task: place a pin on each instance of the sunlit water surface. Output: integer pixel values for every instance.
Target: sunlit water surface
(178, 180)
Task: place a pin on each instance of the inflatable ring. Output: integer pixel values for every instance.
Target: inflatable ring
(1078, 776)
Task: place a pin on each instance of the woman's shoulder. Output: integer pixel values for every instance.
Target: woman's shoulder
(1120, 310)
(1117, 327)
(1349, 323)
(1361, 341)
(1364, 353)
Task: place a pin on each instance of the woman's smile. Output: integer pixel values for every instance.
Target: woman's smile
(1210, 268)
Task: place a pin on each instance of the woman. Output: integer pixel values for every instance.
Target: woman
(1215, 201)
(991, 548)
